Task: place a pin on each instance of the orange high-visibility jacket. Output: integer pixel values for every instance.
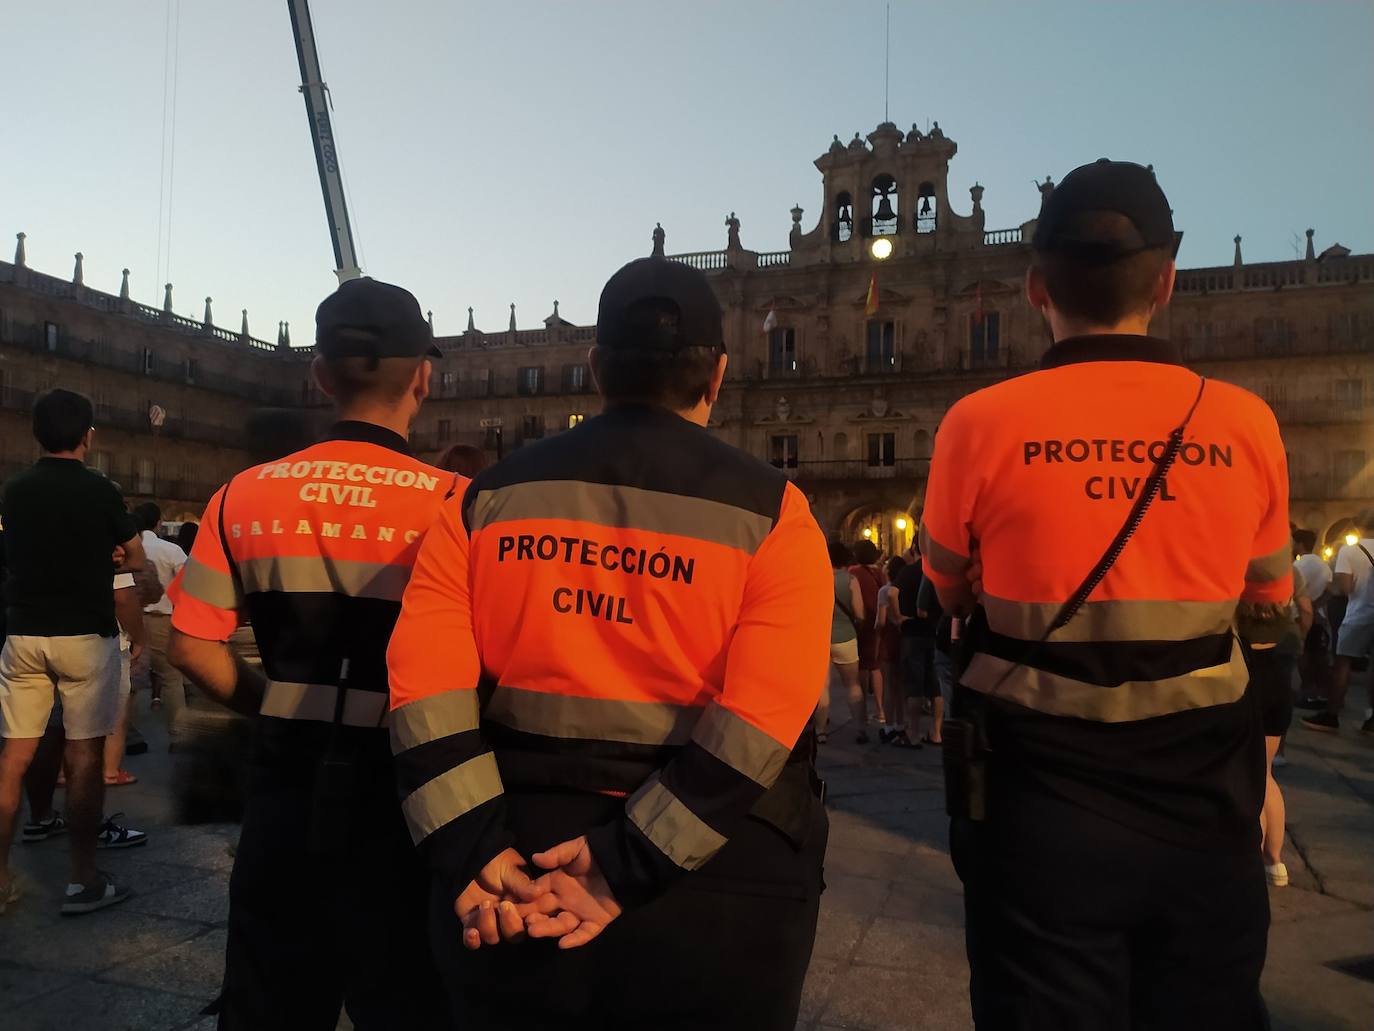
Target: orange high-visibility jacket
(647, 610)
(1139, 699)
(316, 551)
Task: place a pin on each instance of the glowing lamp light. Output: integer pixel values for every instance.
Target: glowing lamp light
(881, 248)
(901, 522)
(868, 534)
(1328, 551)
(1352, 539)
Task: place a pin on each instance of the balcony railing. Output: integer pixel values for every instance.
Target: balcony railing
(1329, 487)
(707, 261)
(995, 237)
(858, 469)
(164, 488)
(33, 337)
(770, 259)
(1322, 412)
(1248, 345)
(136, 420)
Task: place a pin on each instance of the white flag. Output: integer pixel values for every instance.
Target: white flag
(770, 322)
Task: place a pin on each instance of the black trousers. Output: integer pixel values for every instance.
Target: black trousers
(726, 948)
(311, 928)
(1077, 923)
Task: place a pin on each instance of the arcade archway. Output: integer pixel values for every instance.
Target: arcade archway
(891, 529)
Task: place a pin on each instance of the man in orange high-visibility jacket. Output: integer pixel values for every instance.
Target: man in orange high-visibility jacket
(1116, 880)
(327, 902)
(609, 650)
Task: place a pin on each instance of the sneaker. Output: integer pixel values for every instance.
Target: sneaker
(1280, 761)
(1367, 727)
(1310, 702)
(1277, 874)
(81, 899)
(42, 830)
(1326, 722)
(112, 835)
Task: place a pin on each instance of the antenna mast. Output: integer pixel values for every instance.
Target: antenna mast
(887, 56)
(316, 95)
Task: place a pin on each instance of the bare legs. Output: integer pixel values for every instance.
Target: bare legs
(872, 681)
(854, 692)
(83, 760)
(15, 757)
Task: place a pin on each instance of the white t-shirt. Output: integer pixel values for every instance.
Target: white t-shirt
(165, 559)
(1313, 575)
(1350, 559)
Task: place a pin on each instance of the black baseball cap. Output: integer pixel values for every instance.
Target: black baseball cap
(366, 318)
(1120, 187)
(656, 304)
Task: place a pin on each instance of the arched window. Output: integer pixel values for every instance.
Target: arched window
(926, 206)
(884, 206)
(841, 447)
(843, 226)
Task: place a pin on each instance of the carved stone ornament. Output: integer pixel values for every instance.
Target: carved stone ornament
(878, 406)
(783, 409)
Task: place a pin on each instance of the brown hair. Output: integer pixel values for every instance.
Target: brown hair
(383, 380)
(1101, 289)
(463, 459)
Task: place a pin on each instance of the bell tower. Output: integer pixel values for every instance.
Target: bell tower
(891, 184)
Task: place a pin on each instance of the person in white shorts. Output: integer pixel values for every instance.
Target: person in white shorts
(1355, 639)
(62, 525)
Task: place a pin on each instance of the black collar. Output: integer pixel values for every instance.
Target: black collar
(369, 433)
(1109, 347)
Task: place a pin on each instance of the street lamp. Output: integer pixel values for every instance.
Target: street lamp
(1352, 538)
(901, 522)
(868, 533)
(881, 248)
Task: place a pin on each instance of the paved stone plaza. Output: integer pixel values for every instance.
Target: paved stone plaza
(889, 952)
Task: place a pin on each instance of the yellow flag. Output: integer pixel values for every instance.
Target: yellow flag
(871, 305)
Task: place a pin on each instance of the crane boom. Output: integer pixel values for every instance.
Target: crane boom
(315, 91)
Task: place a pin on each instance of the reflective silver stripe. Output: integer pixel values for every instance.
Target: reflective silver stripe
(600, 719)
(631, 508)
(208, 585)
(381, 580)
(1133, 700)
(1273, 566)
(678, 832)
(428, 719)
(941, 559)
(740, 745)
(290, 701)
(1113, 620)
(450, 795)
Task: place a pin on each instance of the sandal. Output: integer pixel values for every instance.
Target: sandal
(927, 740)
(120, 779)
(900, 740)
(9, 895)
(822, 738)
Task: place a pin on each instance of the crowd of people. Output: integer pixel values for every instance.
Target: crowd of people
(534, 744)
(891, 647)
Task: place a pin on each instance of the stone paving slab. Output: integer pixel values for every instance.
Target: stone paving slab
(889, 952)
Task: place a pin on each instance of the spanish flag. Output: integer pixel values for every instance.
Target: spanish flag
(871, 304)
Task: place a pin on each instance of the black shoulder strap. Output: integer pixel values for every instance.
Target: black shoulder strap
(1142, 505)
(1366, 553)
(224, 543)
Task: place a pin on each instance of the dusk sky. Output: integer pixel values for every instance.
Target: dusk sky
(500, 152)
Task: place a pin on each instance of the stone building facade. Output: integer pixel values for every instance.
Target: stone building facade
(846, 401)
(171, 394)
(849, 403)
